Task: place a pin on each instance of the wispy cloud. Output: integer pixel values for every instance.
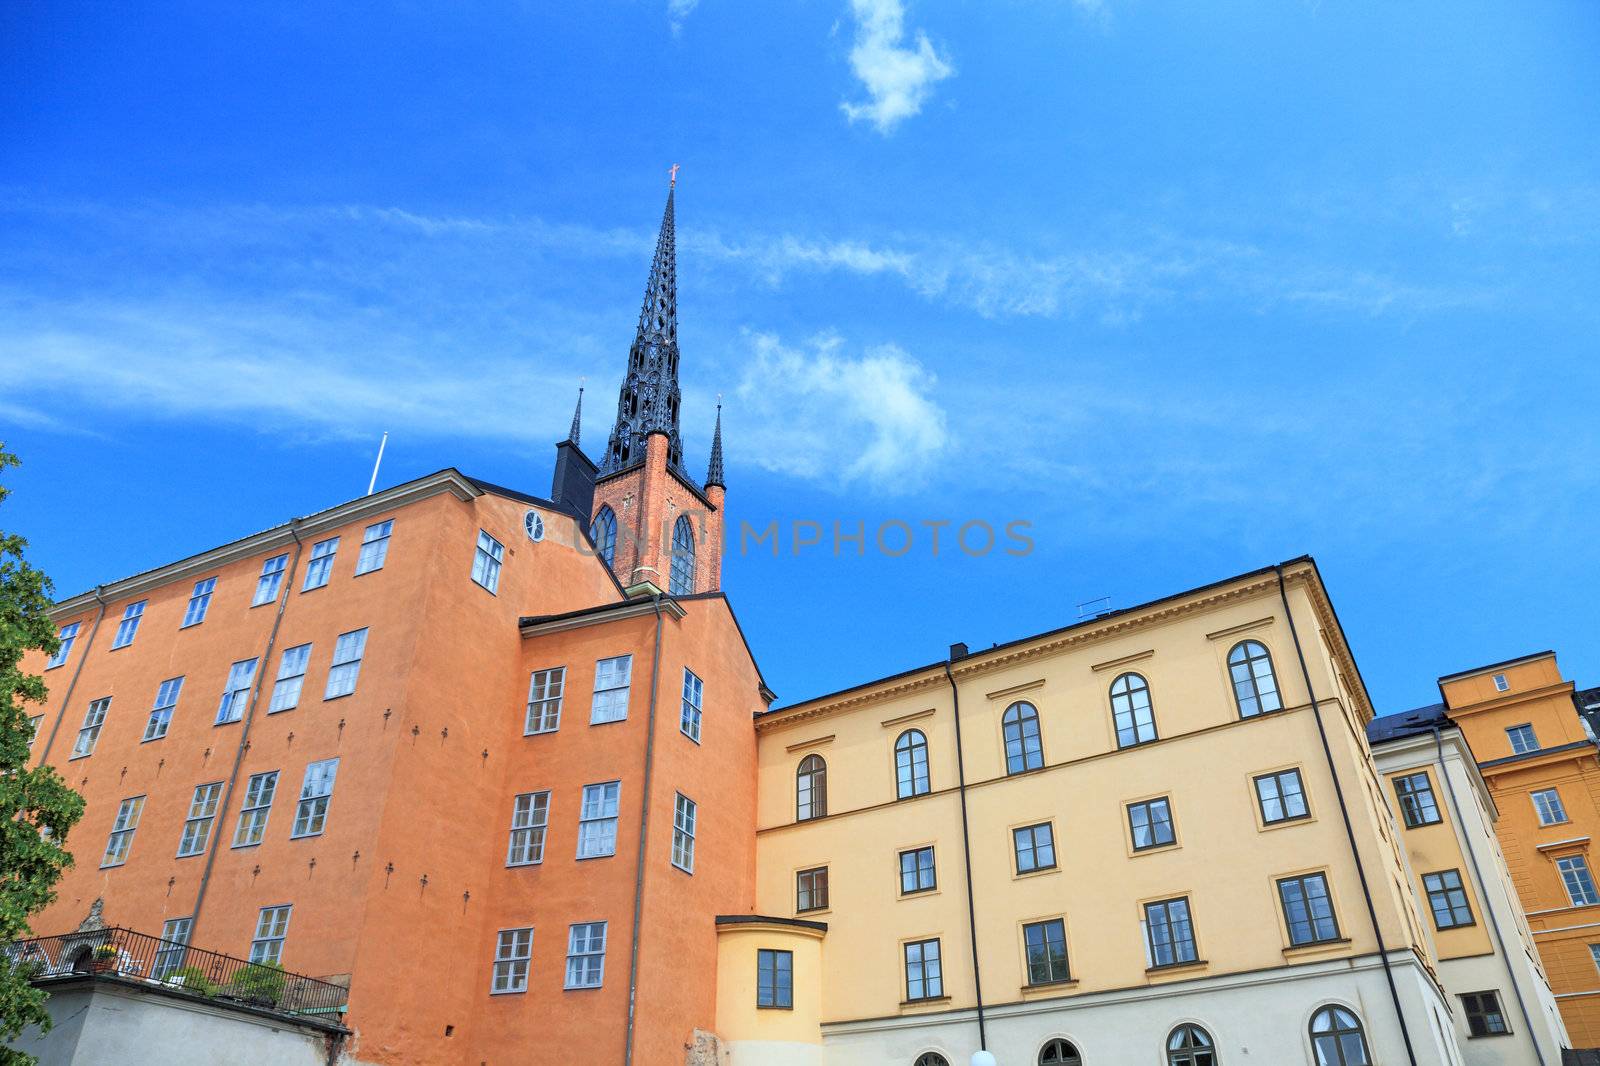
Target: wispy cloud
(678, 11)
(898, 76)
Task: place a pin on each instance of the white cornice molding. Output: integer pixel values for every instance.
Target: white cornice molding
(603, 616)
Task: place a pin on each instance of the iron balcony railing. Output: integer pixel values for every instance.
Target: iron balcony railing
(175, 966)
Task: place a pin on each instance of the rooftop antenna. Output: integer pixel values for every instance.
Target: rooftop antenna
(377, 463)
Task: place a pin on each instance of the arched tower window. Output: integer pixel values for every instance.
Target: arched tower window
(932, 1058)
(1130, 708)
(603, 531)
(1255, 686)
(1337, 1039)
(811, 789)
(911, 764)
(1021, 726)
(1190, 1045)
(682, 583)
(1059, 1053)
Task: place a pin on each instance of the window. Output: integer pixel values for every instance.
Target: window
(346, 668)
(170, 955)
(1594, 955)
(1500, 683)
(1169, 934)
(1190, 1045)
(1150, 824)
(1282, 796)
(530, 815)
(1417, 806)
(129, 626)
(257, 805)
(811, 891)
(1522, 739)
(1308, 909)
(544, 701)
(34, 721)
(924, 977)
(1337, 1039)
(682, 583)
(1045, 945)
(320, 566)
(161, 714)
(1131, 711)
(202, 813)
(512, 952)
(1020, 724)
(683, 816)
(236, 692)
(603, 532)
(911, 764)
(199, 602)
(1547, 802)
(1035, 847)
(1579, 882)
(916, 871)
(689, 719)
(122, 831)
(291, 678)
(486, 562)
(271, 579)
(774, 979)
(68, 636)
(611, 680)
(586, 955)
(1484, 1016)
(374, 547)
(1255, 688)
(931, 1058)
(89, 732)
(811, 789)
(597, 820)
(272, 925)
(316, 792)
(1447, 899)
(1059, 1051)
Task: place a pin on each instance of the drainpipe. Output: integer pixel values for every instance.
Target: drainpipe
(644, 832)
(1472, 857)
(1349, 828)
(966, 857)
(66, 699)
(244, 733)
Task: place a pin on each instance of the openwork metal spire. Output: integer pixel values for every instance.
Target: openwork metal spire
(714, 471)
(577, 419)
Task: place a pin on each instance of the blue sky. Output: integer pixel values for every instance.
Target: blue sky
(1190, 288)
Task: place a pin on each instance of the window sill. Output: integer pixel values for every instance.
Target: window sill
(812, 913)
(773, 1006)
(591, 858)
(683, 869)
(919, 893)
(581, 988)
(924, 1002)
(339, 696)
(190, 625)
(1041, 991)
(1155, 849)
(1487, 1036)
(609, 721)
(521, 865)
(1170, 967)
(1312, 947)
(75, 758)
(1452, 928)
(1040, 872)
(1422, 825)
(1284, 823)
(508, 992)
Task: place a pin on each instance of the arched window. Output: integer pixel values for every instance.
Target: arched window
(1130, 709)
(911, 764)
(682, 583)
(603, 531)
(1255, 687)
(1190, 1045)
(811, 788)
(931, 1058)
(1337, 1039)
(1021, 726)
(1059, 1052)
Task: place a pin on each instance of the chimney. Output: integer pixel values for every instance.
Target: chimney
(572, 486)
(958, 651)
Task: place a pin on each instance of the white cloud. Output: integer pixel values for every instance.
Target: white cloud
(897, 77)
(678, 11)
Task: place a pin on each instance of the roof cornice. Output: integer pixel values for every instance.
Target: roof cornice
(601, 615)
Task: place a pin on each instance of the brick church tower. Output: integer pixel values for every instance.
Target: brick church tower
(653, 523)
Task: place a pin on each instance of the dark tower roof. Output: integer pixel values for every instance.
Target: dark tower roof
(577, 419)
(714, 471)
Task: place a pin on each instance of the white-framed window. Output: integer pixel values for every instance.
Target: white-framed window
(530, 816)
(68, 636)
(257, 806)
(346, 666)
(169, 957)
(272, 926)
(89, 732)
(237, 691)
(1594, 955)
(545, 688)
(1501, 684)
(512, 952)
(683, 818)
(1547, 802)
(34, 721)
(161, 714)
(122, 830)
(199, 602)
(1522, 738)
(486, 562)
(586, 955)
(597, 820)
(374, 547)
(128, 628)
(611, 680)
(693, 691)
(291, 678)
(1577, 879)
(316, 792)
(319, 568)
(202, 815)
(271, 580)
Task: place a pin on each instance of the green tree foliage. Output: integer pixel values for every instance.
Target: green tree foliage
(37, 808)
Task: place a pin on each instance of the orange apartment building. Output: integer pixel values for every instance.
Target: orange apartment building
(498, 742)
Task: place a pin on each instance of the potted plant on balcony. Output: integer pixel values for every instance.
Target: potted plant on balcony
(192, 979)
(104, 959)
(260, 984)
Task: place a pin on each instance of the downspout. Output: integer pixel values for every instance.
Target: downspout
(1472, 857)
(66, 700)
(644, 832)
(1349, 828)
(217, 827)
(966, 857)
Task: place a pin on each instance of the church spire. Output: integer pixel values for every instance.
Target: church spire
(714, 471)
(577, 419)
